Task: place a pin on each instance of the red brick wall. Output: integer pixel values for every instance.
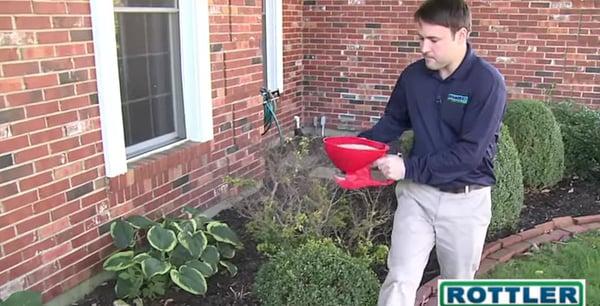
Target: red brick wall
(355, 50)
(55, 201)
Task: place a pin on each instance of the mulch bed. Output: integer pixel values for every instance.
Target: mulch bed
(569, 198)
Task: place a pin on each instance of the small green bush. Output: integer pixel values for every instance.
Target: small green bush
(537, 136)
(580, 128)
(507, 194)
(317, 273)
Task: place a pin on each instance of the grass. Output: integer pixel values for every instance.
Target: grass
(578, 258)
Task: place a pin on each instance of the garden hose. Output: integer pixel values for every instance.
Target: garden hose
(269, 109)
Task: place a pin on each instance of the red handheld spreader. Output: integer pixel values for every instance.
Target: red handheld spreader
(354, 156)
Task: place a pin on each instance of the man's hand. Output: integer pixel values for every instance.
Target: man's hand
(392, 166)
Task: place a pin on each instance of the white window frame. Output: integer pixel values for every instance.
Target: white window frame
(274, 44)
(196, 79)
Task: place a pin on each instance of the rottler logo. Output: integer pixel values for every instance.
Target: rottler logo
(511, 292)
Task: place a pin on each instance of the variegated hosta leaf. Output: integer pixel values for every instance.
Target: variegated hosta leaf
(122, 233)
(119, 261)
(189, 279)
(221, 232)
(211, 256)
(128, 287)
(233, 270)
(162, 239)
(141, 257)
(203, 267)
(152, 266)
(20, 298)
(192, 211)
(188, 226)
(195, 243)
(226, 250)
(141, 222)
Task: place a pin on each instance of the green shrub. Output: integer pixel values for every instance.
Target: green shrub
(317, 273)
(292, 207)
(537, 136)
(182, 251)
(580, 128)
(507, 194)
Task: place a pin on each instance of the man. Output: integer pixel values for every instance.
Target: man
(454, 102)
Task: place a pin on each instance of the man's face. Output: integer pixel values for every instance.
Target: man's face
(439, 47)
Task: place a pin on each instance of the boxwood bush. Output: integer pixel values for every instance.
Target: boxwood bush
(580, 128)
(317, 273)
(537, 136)
(507, 194)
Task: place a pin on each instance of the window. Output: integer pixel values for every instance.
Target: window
(153, 75)
(147, 38)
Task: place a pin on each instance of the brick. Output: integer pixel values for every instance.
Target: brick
(10, 85)
(24, 127)
(6, 262)
(12, 115)
(64, 145)
(70, 50)
(78, 8)
(79, 179)
(559, 235)
(53, 37)
(20, 69)
(574, 229)
(49, 162)
(502, 255)
(587, 219)
(40, 81)
(592, 226)
(13, 144)
(491, 248)
(531, 233)
(8, 54)
(510, 240)
(49, 8)
(6, 23)
(81, 153)
(64, 210)
(10, 174)
(562, 221)
(54, 188)
(23, 98)
(8, 190)
(7, 233)
(82, 215)
(80, 191)
(486, 265)
(15, 7)
(25, 267)
(32, 223)
(546, 227)
(35, 181)
(56, 65)
(59, 92)
(41, 109)
(36, 52)
(19, 243)
(21, 200)
(31, 154)
(68, 170)
(52, 228)
(67, 21)
(72, 76)
(6, 161)
(36, 22)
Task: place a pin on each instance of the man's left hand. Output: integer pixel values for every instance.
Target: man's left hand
(392, 166)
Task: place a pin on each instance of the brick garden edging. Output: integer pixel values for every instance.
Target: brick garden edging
(502, 250)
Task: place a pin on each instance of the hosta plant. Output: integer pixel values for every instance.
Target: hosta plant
(20, 298)
(183, 251)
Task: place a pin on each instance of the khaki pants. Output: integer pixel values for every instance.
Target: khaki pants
(455, 223)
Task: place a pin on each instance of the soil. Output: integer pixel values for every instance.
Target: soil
(569, 198)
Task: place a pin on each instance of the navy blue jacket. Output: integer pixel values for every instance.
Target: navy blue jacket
(456, 122)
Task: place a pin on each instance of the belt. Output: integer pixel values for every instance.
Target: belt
(463, 189)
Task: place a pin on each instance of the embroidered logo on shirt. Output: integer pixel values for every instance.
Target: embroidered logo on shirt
(460, 99)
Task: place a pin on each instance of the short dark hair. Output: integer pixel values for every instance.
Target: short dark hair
(453, 14)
